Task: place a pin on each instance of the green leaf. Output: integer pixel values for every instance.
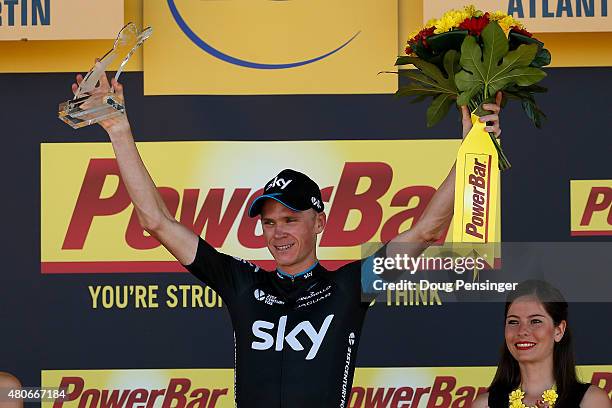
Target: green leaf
(450, 40)
(515, 39)
(465, 97)
(443, 86)
(416, 89)
(542, 58)
(485, 68)
(495, 48)
(404, 60)
(451, 64)
(466, 81)
(471, 61)
(438, 109)
(532, 88)
(534, 112)
(520, 76)
(420, 98)
(431, 70)
(519, 58)
(523, 92)
(428, 80)
(526, 95)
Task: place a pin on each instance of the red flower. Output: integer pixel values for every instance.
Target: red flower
(408, 50)
(421, 37)
(519, 30)
(475, 25)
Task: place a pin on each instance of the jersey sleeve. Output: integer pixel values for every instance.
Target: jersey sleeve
(358, 277)
(227, 275)
(373, 275)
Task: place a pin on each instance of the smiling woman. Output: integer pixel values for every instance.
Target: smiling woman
(537, 366)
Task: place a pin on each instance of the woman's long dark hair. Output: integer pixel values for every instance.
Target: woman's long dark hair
(508, 375)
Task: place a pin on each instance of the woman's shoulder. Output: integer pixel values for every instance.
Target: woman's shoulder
(595, 397)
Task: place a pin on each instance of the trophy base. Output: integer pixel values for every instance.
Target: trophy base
(88, 110)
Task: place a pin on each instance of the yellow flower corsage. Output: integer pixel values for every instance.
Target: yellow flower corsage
(515, 398)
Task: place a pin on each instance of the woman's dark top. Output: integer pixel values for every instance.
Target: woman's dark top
(500, 399)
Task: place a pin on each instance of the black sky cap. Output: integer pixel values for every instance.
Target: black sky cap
(292, 189)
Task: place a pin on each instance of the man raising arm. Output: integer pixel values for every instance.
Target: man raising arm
(152, 212)
(438, 214)
(296, 329)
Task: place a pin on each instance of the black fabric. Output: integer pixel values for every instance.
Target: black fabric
(296, 338)
(500, 399)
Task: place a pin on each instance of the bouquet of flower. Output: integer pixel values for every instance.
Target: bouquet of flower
(466, 57)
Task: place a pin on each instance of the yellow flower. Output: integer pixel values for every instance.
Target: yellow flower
(505, 21)
(506, 24)
(550, 396)
(516, 395)
(432, 22)
(497, 15)
(517, 404)
(451, 19)
(470, 10)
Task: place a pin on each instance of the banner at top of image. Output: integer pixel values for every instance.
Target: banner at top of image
(270, 47)
(539, 16)
(60, 19)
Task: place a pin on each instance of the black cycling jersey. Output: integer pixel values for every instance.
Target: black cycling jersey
(296, 337)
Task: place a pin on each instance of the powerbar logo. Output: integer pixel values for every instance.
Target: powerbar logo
(445, 392)
(178, 394)
(25, 13)
(591, 207)
(92, 204)
(476, 213)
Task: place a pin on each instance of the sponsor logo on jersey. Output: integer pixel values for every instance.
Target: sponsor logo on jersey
(262, 330)
(347, 369)
(267, 299)
(313, 297)
(259, 294)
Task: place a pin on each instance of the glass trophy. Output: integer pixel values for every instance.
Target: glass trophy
(91, 105)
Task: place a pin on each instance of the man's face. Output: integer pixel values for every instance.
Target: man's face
(291, 236)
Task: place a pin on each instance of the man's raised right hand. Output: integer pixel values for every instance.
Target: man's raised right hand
(115, 124)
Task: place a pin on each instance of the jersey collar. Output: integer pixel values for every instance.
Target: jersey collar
(302, 276)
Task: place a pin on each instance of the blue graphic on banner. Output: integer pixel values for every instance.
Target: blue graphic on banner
(240, 62)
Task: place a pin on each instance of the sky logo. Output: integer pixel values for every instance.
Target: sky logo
(266, 340)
